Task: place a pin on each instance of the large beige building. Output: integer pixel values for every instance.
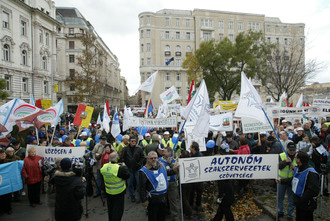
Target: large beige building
(28, 52)
(170, 34)
(69, 48)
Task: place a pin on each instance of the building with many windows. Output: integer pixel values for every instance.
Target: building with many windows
(28, 51)
(172, 34)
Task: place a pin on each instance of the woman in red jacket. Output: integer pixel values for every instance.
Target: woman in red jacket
(243, 148)
(33, 175)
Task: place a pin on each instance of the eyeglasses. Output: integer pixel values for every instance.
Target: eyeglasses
(152, 158)
(132, 140)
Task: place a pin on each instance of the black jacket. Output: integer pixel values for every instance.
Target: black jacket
(275, 148)
(259, 150)
(69, 192)
(226, 192)
(133, 157)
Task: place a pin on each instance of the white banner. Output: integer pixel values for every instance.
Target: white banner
(174, 107)
(270, 104)
(323, 102)
(251, 125)
(49, 154)
(188, 131)
(221, 122)
(151, 123)
(169, 95)
(297, 112)
(201, 169)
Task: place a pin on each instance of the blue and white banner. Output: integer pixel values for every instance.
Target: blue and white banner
(49, 154)
(224, 167)
(10, 177)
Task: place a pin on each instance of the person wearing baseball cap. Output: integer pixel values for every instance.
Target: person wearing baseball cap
(299, 135)
(167, 141)
(146, 141)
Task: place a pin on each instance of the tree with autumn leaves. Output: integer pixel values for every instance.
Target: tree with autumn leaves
(87, 81)
(220, 63)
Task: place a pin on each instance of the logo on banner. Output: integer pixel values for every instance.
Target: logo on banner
(275, 111)
(192, 170)
(314, 109)
(226, 122)
(251, 99)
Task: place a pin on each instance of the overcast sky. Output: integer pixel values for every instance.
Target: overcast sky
(116, 21)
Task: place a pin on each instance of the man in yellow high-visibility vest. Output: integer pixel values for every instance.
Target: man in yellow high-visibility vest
(114, 180)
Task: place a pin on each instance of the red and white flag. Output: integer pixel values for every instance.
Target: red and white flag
(192, 91)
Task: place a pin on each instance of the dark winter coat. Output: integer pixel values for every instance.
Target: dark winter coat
(133, 157)
(226, 192)
(69, 193)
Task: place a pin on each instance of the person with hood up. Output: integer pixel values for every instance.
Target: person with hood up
(69, 193)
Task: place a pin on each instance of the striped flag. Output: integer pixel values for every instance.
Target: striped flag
(150, 109)
(83, 115)
(192, 91)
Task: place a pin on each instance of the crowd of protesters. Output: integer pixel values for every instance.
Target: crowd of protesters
(154, 151)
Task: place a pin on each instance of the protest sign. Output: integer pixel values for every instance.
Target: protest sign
(169, 95)
(270, 104)
(321, 102)
(298, 112)
(221, 122)
(188, 130)
(251, 125)
(49, 154)
(223, 167)
(226, 105)
(11, 177)
(151, 123)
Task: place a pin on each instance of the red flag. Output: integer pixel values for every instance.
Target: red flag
(192, 91)
(108, 107)
(291, 105)
(307, 104)
(150, 108)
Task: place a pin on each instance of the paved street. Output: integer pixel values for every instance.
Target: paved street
(133, 211)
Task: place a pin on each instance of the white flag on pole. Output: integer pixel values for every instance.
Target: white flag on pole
(169, 95)
(106, 119)
(300, 101)
(149, 83)
(250, 104)
(115, 128)
(162, 111)
(126, 123)
(197, 111)
(99, 120)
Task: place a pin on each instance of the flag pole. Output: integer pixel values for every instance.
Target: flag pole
(275, 132)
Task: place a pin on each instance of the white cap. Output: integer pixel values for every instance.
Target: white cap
(83, 133)
(166, 133)
(53, 126)
(175, 135)
(147, 135)
(299, 128)
(290, 128)
(284, 121)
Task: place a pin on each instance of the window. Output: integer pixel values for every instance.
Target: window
(301, 30)
(8, 82)
(71, 44)
(141, 21)
(188, 49)
(25, 85)
(148, 74)
(177, 22)
(23, 28)
(5, 19)
(6, 52)
(177, 35)
(268, 28)
(40, 36)
(167, 48)
(167, 77)
(285, 29)
(148, 47)
(45, 87)
(71, 58)
(148, 20)
(142, 61)
(276, 28)
(148, 33)
(230, 25)
(178, 62)
(142, 77)
(148, 61)
(71, 31)
(167, 21)
(221, 25)
(240, 26)
(72, 73)
(72, 87)
(178, 48)
(142, 47)
(257, 27)
(187, 23)
(206, 23)
(81, 31)
(188, 36)
(301, 41)
(178, 77)
(231, 37)
(220, 37)
(141, 34)
(277, 41)
(24, 57)
(268, 40)
(206, 36)
(167, 35)
(188, 90)
(44, 63)
(47, 38)
(178, 89)
(285, 41)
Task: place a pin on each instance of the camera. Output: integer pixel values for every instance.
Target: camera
(84, 166)
(49, 169)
